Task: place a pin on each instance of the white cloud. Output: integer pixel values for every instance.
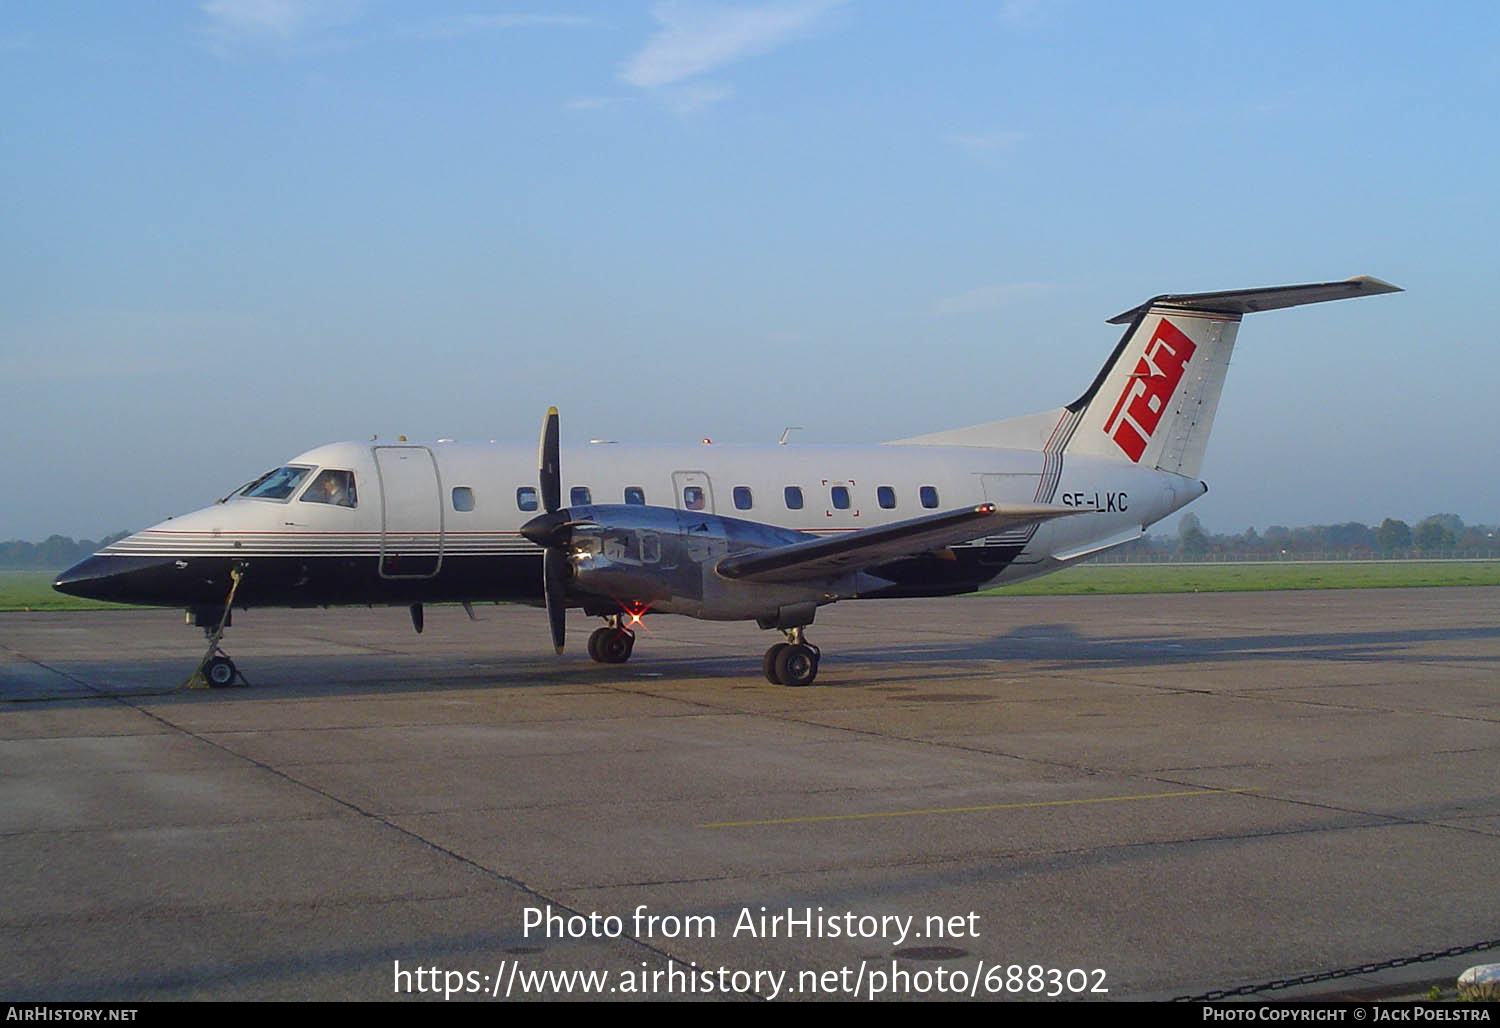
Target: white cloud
(696, 96)
(696, 37)
(592, 103)
(275, 20)
(988, 144)
(992, 297)
(294, 24)
(468, 24)
(1022, 13)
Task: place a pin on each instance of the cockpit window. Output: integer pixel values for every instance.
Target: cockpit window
(278, 484)
(335, 487)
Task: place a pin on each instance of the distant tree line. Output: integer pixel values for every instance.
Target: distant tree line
(1437, 536)
(53, 554)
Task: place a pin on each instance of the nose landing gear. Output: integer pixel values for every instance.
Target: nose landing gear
(219, 671)
(216, 670)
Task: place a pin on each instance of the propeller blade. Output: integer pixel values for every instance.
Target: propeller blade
(551, 530)
(555, 585)
(547, 458)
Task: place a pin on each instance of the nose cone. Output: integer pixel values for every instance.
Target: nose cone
(84, 578)
(121, 579)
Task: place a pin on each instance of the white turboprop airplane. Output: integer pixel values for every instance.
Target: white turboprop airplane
(715, 532)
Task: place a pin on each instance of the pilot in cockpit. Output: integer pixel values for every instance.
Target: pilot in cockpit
(332, 487)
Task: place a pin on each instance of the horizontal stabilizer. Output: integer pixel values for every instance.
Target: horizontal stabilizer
(1249, 301)
(868, 547)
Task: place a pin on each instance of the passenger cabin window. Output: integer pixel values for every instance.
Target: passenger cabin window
(526, 498)
(463, 498)
(579, 496)
(793, 497)
(634, 494)
(332, 487)
(278, 484)
(840, 497)
(693, 497)
(742, 497)
(929, 495)
(886, 496)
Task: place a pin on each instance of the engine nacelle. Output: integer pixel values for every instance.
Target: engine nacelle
(637, 558)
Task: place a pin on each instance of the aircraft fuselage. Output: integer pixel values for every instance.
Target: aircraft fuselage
(441, 522)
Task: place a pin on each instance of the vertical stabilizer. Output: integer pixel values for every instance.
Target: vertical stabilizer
(1153, 403)
(1156, 404)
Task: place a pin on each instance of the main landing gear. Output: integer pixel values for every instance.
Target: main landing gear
(613, 643)
(794, 662)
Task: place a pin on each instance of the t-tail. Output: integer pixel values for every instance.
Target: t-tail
(1153, 402)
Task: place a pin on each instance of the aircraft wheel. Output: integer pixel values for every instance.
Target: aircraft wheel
(615, 646)
(594, 638)
(219, 672)
(769, 664)
(796, 665)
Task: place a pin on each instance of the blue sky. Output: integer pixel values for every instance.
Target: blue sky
(234, 230)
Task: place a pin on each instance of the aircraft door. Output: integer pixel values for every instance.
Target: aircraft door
(411, 519)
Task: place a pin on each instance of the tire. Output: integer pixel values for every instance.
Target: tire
(594, 638)
(797, 666)
(219, 672)
(615, 646)
(769, 664)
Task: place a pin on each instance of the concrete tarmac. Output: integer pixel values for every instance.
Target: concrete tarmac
(1154, 795)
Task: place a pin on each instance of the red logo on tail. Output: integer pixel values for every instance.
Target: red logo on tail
(1149, 390)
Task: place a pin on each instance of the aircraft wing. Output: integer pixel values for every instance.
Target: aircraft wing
(855, 551)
